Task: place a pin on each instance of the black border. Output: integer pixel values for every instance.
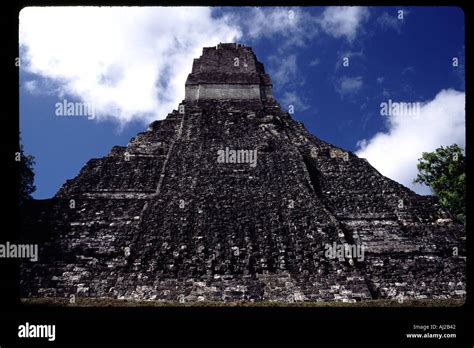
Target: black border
(196, 325)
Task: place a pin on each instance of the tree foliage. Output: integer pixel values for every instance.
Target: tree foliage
(444, 171)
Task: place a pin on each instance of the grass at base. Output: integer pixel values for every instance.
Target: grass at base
(112, 302)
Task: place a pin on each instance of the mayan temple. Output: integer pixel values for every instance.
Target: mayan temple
(230, 199)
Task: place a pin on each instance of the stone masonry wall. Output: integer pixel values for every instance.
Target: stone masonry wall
(163, 219)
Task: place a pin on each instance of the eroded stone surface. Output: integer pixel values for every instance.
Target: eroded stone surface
(162, 219)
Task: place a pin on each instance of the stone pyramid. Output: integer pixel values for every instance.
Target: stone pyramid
(230, 199)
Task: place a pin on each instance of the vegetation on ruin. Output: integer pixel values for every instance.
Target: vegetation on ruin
(444, 171)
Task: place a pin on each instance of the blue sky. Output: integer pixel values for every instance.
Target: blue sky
(131, 64)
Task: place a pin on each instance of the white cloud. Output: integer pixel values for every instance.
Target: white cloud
(349, 85)
(294, 26)
(349, 57)
(392, 21)
(343, 21)
(441, 122)
(315, 62)
(31, 86)
(292, 98)
(408, 70)
(131, 62)
(283, 69)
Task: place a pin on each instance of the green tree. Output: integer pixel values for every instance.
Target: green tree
(444, 171)
(27, 175)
